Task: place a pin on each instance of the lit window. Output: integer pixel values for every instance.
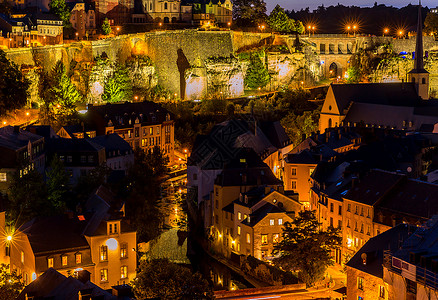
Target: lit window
(272, 222)
(238, 230)
(78, 258)
(151, 131)
(311, 171)
(3, 177)
(64, 260)
(382, 291)
(239, 216)
(360, 283)
(22, 257)
(104, 253)
(123, 250)
(104, 275)
(264, 239)
(248, 238)
(280, 221)
(275, 238)
(50, 262)
(124, 272)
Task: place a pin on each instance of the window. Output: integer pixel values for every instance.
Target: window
(69, 158)
(360, 283)
(331, 222)
(239, 216)
(339, 223)
(116, 229)
(158, 130)
(248, 238)
(22, 257)
(123, 250)
(280, 222)
(272, 222)
(165, 5)
(311, 171)
(217, 204)
(83, 159)
(151, 130)
(91, 159)
(78, 258)
(332, 207)
(64, 260)
(294, 185)
(381, 291)
(275, 237)
(110, 231)
(123, 272)
(103, 253)
(349, 207)
(294, 172)
(50, 262)
(340, 210)
(3, 177)
(104, 275)
(264, 239)
(238, 230)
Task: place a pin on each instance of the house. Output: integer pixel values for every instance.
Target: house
(389, 105)
(214, 11)
(97, 241)
(167, 11)
(410, 270)
(80, 156)
(365, 268)
(82, 18)
(118, 153)
(76, 132)
(54, 285)
(118, 12)
(21, 151)
(143, 125)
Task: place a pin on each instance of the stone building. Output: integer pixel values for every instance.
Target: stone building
(82, 19)
(98, 241)
(143, 125)
(365, 268)
(167, 11)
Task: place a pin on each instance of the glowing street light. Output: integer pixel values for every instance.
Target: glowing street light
(348, 29)
(400, 33)
(9, 238)
(355, 27)
(385, 31)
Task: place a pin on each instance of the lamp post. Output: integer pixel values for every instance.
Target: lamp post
(400, 33)
(385, 31)
(348, 30)
(308, 29)
(354, 29)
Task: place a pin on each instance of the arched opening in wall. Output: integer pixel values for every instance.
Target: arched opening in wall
(322, 48)
(333, 70)
(340, 48)
(329, 123)
(174, 20)
(331, 48)
(166, 19)
(157, 20)
(349, 48)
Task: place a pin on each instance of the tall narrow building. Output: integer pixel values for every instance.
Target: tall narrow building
(419, 76)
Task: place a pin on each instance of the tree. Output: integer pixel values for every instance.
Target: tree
(162, 279)
(106, 27)
(249, 12)
(431, 24)
(13, 86)
(279, 21)
(10, 283)
(353, 74)
(298, 125)
(57, 184)
(59, 8)
(257, 76)
(5, 7)
(306, 248)
(118, 87)
(60, 96)
(27, 197)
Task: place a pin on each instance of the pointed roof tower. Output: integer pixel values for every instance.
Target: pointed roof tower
(419, 75)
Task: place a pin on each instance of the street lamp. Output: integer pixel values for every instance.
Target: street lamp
(308, 29)
(354, 29)
(77, 36)
(400, 33)
(385, 31)
(348, 29)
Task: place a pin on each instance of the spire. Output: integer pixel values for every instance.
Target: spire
(418, 63)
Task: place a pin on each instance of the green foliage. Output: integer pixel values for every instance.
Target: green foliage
(249, 12)
(57, 184)
(257, 75)
(215, 105)
(431, 24)
(306, 248)
(60, 97)
(13, 86)
(10, 283)
(143, 202)
(164, 280)
(59, 8)
(118, 88)
(106, 27)
(279, 21)
(353, 75)
(298, 125)
(27, 197)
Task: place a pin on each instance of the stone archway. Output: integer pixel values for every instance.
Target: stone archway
(334, 70)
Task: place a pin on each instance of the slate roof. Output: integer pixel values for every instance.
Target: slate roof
(276, 133)
(43, 130)
(261, 213)
(393, 94)
(113, 143)
(373, 187)
(304, 157)
(374, 247)
(15, 140)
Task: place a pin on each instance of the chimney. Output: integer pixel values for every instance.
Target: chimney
(83, 276)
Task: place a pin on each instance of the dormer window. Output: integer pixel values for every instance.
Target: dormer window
(113, 227)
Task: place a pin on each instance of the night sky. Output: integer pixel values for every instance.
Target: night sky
(312, 4)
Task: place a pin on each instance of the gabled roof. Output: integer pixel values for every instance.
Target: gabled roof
(373, 249)
(15, 139)
(112, 142)
(261, 213)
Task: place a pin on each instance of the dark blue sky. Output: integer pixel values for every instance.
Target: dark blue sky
(312, 4)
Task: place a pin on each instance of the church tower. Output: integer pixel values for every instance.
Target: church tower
(419, 75)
